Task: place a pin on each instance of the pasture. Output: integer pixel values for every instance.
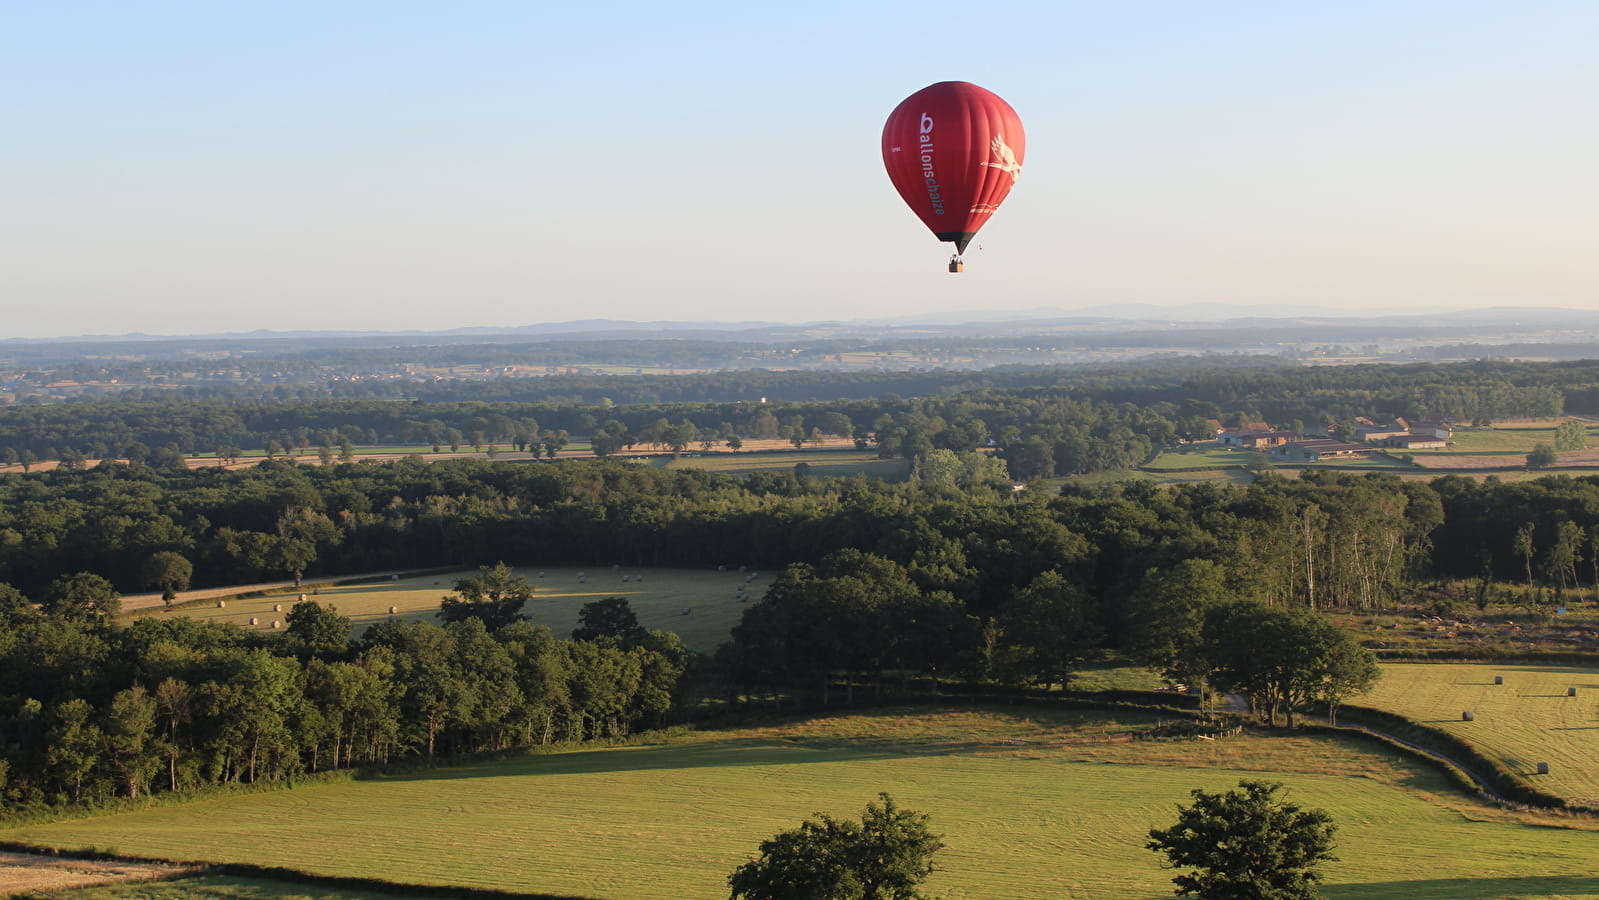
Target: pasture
(658, 600)
(1527, 720)
(1198, 456)
(1032, 804)
(838, 463)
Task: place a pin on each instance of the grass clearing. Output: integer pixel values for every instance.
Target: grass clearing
(1032, 804)
(838, 463)
(658, 600)
(1197, 456)
(1527, 720)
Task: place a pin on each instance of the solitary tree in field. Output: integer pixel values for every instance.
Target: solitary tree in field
(1542, 457)
(1246, 844)
(611, 619)
(496, 595)
(882, 857)
(168, 571)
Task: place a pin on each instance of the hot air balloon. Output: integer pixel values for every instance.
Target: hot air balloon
(953, 150)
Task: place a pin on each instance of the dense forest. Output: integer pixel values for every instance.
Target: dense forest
(950, 576)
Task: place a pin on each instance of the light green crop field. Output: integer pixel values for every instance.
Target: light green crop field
(1205, 455)
(1525, 721)
(1514, 440)
(840, 463)
(658, 600)
(1030, 804)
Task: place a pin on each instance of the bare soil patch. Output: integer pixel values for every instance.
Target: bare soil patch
(20, 872)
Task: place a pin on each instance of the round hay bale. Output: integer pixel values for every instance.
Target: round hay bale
(1468, 716)
(638, 577)
(302, 598)
(615, 568)
(1499, 679)
(394, 578)
(541, 573)
(1543, 768)
(276, 624)
(222, 604)
(624, 579)
(721, 568)
(277, 607)
(393, 610)
(254, 621)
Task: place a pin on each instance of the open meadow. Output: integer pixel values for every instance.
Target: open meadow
(1527, 720)
(838, 463)
(658, 596)
(1032, 803)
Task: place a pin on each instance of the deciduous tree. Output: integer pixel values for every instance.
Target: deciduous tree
(1246, 844)
(885, 856)
(496, 594)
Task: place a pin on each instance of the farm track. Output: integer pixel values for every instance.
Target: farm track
(39, 874)
(1238, 704)
(1482, 784)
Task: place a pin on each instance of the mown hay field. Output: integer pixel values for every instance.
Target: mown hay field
(836, 463)
(1527, 720)
(1032, 804)
(658, 600)
(217, 887)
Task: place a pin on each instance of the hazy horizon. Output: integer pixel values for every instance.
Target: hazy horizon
(190, 168)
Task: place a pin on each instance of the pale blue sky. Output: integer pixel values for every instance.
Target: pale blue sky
(193, 167)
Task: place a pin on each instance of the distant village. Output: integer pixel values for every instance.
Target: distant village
(1316, 445)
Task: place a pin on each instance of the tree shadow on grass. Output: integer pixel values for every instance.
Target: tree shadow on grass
(720, 754)
(1456, 888)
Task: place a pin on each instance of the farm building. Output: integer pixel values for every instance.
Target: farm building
(1318, 451)
(1376, 433)
(1256, 440)
(1415, 441)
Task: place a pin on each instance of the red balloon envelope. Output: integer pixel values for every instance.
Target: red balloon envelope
(953, 150)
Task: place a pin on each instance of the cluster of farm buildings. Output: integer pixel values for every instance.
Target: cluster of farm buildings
(1368, 438)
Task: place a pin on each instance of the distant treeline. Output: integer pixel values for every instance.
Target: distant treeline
(1324, 540)
(1044, 422)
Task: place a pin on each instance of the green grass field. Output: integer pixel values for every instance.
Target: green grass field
(1030, 804)
(840, 463)
(1500, 440)
(659, 600)
(1525, 721)
(1200, 456)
